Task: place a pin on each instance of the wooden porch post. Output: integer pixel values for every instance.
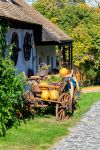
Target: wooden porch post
(71, 57)
(70, 53)
(63, 53)
(60, 54)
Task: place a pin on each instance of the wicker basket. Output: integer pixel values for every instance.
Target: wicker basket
(43, 70)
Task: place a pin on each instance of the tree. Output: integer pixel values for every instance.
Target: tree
(82, 23)
(76, 1)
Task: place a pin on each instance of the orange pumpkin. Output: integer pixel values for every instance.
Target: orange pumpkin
(64, 71)
(54, 94)
(45, 94)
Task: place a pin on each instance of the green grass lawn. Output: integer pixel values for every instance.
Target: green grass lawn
(42, 132)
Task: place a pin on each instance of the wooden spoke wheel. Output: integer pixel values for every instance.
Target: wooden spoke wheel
(75, 98)
(61, 114)
(15, 41)
(64, 106)
(27, 46)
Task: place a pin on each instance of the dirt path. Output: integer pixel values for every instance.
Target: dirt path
(90, 89)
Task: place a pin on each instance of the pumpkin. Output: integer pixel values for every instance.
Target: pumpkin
(45, 94)
(54, 94)
(64, 71)
(43, 83)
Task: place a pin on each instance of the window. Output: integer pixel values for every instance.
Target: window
(27, 46)
(15, 41)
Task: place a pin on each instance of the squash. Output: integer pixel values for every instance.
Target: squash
(64, 71)
(45, 94)
(43, 83)
(54, 94)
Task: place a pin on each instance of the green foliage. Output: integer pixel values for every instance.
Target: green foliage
(77, 1)
(81, 45)
(82, 23)
(54, 79)
(11, 86)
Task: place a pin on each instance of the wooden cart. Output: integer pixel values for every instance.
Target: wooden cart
(64, 105)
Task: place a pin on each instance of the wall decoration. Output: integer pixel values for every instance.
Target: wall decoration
(15, 41)
(27, 46)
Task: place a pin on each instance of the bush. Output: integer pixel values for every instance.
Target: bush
(11, 86)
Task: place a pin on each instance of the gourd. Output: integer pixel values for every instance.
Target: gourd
(45, 94)
(43, 83)
(64, 71)
(54, 94)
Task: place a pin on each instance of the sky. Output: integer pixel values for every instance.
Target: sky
(90, 2)
(30, 1)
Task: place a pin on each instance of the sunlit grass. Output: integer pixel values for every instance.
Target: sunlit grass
(42, 132)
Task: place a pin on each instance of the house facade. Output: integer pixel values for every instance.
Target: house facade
(35, 38)
(23, 61)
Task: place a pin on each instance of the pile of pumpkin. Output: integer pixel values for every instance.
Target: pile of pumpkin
(53, 94)
(64, 71)
(48, 94)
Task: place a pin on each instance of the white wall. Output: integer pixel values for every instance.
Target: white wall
(44, 51)
(23, 65)
(36, 52)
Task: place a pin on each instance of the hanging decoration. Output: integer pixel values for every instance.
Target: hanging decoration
(27, 46)
(15, 41)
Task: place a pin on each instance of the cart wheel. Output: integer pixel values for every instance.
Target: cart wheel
(66, 98)
(60, 108)
(68, 102)
(63, 110)
(76, 96)
(61, 114)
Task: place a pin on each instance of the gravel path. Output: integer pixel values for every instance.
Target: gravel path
(84, 136)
